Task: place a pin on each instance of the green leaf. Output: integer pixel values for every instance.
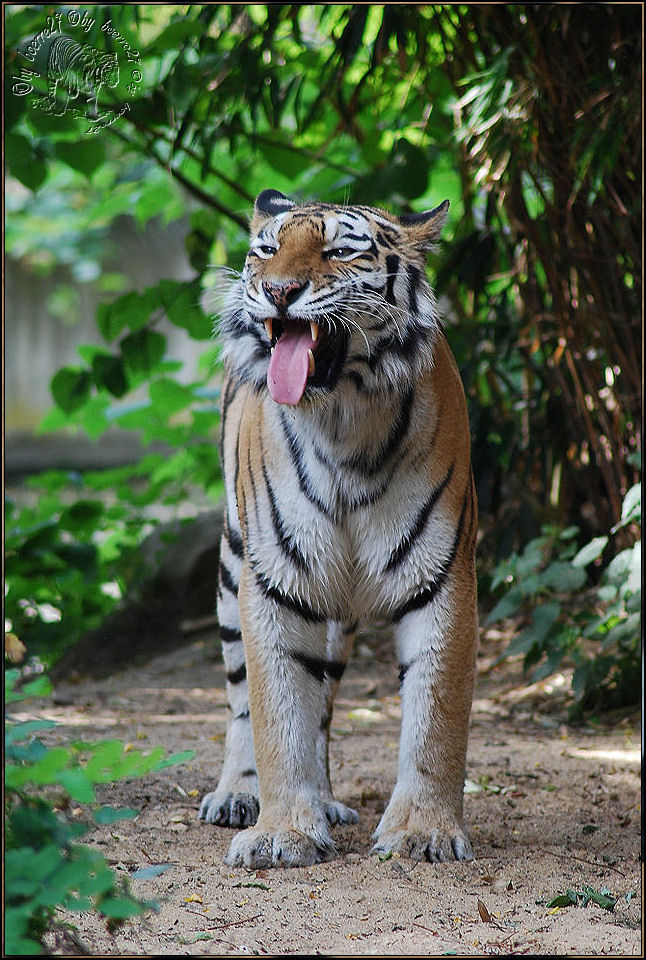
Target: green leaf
(83, 515)
(181, 301)
(23, 161)
(532, 637)
(143, 350)
(131, 311)
(103, 760)
(562, 577)
(46, 770)
(624, 631)
(40, 687)
(176, 758)
(548, 666)
(507, 606)
(120, 908)
(149, 873)
(83, 155)
(19, 731)
(17, 923)
(590, 552)
(601, 898)
(285, 161)
(169, 397)
(92, 416)
(77, 784)
(112, 814)
(70, 388)
(174, 35)
(544, 616)
(631, 508)
(619, 568)
(567, 899)
(109, 372)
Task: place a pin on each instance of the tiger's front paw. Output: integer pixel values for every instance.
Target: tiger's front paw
(435, 846)
(257, 849)
(230, 809)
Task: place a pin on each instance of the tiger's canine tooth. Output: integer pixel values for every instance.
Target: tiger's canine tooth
(314, 329)
(269, 327)
(311, 366)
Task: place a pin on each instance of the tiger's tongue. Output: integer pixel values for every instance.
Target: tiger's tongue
(289, 366)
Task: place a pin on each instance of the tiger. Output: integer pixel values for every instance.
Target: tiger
(349, 494)
(79, 68)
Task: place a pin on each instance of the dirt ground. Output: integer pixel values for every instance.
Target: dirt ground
(549, 808)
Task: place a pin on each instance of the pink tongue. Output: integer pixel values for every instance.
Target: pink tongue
(289, 366)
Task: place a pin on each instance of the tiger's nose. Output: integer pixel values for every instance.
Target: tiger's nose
(283, 294)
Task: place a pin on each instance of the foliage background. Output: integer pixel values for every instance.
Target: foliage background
(526, 116)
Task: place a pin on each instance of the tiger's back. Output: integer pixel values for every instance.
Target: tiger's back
(345, 449)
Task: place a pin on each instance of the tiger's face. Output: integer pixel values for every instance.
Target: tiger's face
(332, 298)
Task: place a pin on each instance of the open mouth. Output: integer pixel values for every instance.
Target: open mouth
(302, 355)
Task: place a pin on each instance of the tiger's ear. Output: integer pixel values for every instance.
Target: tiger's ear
(424, 229)
(268, 204)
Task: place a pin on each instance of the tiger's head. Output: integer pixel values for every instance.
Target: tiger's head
(332, 298)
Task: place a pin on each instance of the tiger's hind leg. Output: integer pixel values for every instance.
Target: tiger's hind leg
(234, 802)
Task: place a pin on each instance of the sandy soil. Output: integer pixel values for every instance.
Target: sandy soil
(549, 808)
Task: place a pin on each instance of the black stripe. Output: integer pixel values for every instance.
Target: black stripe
(406, 543)
(296, 454)
(394, 441)
(236, 326)
(414, 277)
(251, 772)
(392, 266)
(416, 338)
(299, 607)
(473, 531)
(243, 715)
(226, 579)
(229, 393)
(252, 481)
(285, 543)
(234, 539)
(319, 667)
(355, 377)
(354, 236)
(229, 634)
(429, 593)
(387, 237)
(400, 428)
(224, 406)
(237, 676)
(365, 286)
(368, 466)
(403, 667)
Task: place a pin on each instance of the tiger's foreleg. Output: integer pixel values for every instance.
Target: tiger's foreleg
(339, 645)
(49, 103)
(285, 645)
(436, 645)
(234, 802)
